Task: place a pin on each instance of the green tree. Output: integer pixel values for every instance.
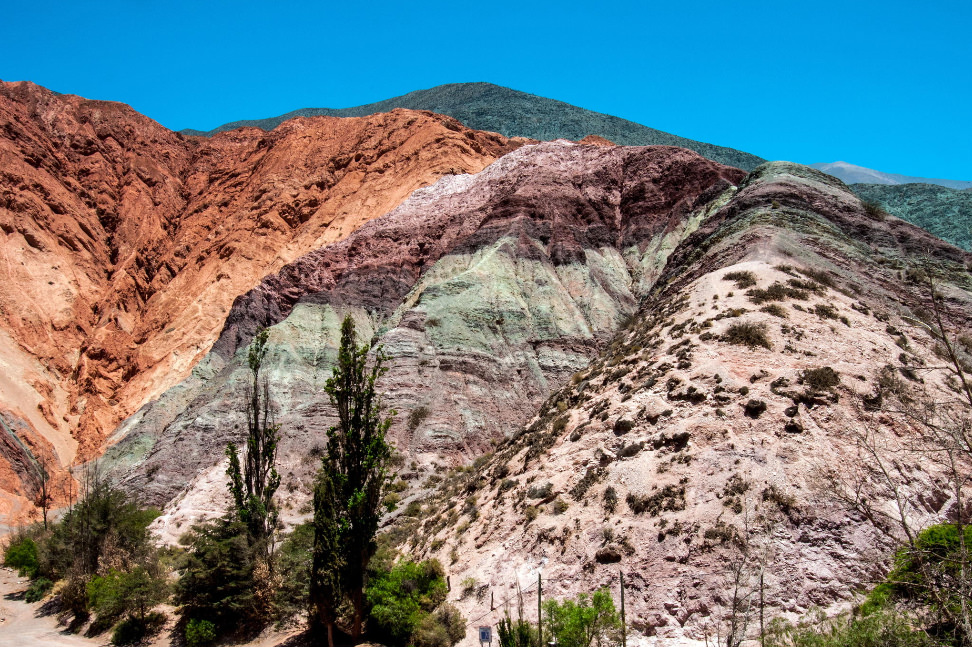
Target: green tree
(591, 620)
(135, 592)
(329, 554)
(218, 583)
(293, 562)
(516, 633)
(105, 520)
(21, 554)
(354, 477)
(400, 599)
(254, 485)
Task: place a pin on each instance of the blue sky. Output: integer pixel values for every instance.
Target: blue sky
(887, 85)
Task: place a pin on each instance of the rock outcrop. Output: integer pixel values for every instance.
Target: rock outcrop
(124, 244)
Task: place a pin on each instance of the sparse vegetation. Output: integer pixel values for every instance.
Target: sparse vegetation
(416, 416)
(776, 292)
(670, 498)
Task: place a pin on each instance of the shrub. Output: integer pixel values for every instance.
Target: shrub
(21, 554)
(889, 628)
(826, 311)
(559, 506)
(531, 512)
(133, 629)
(775, 310)
(787, 503)
(105, 519)
(540, 491)
(38, 589)
(670, 498)
(586, 621)
(622, 426)
(135, 592)
(610, 498)
(294, 560)
(873, 210)
(416, 416)
(516, 633)
(928, 572)
(743, 280)
(74, 596)
(754, 408)
(200, 632)
(820, 379)
(747, 333)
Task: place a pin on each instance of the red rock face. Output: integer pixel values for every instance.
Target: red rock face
(124, 243)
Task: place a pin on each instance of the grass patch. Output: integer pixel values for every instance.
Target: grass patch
(774, 309)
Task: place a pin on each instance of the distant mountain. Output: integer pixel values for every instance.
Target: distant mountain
(484, 106)
(852, 174)
(945, 212)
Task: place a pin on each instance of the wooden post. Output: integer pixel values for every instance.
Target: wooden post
(539, 609)
(762, 607)
(624, 624)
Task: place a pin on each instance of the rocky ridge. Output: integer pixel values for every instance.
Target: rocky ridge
(124, 245)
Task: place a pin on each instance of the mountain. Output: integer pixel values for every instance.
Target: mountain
(567, 316)
(126, 243)
(486, 291)
(945, 212)
(603, 357)
(493, 108)
(852, 174)
(718, 442)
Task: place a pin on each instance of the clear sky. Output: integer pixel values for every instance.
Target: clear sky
(886, 85)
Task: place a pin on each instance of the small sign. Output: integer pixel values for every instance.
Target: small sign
(486, 635)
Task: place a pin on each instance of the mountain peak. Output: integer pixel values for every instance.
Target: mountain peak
(512, 113)
(853, 174)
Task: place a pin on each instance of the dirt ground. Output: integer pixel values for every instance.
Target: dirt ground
(20, 623)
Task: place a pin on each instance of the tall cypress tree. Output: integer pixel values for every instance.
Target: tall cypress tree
(254, 485)
(353, 480)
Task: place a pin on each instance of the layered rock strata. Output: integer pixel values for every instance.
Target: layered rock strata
(487, 291)
(124, 244)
